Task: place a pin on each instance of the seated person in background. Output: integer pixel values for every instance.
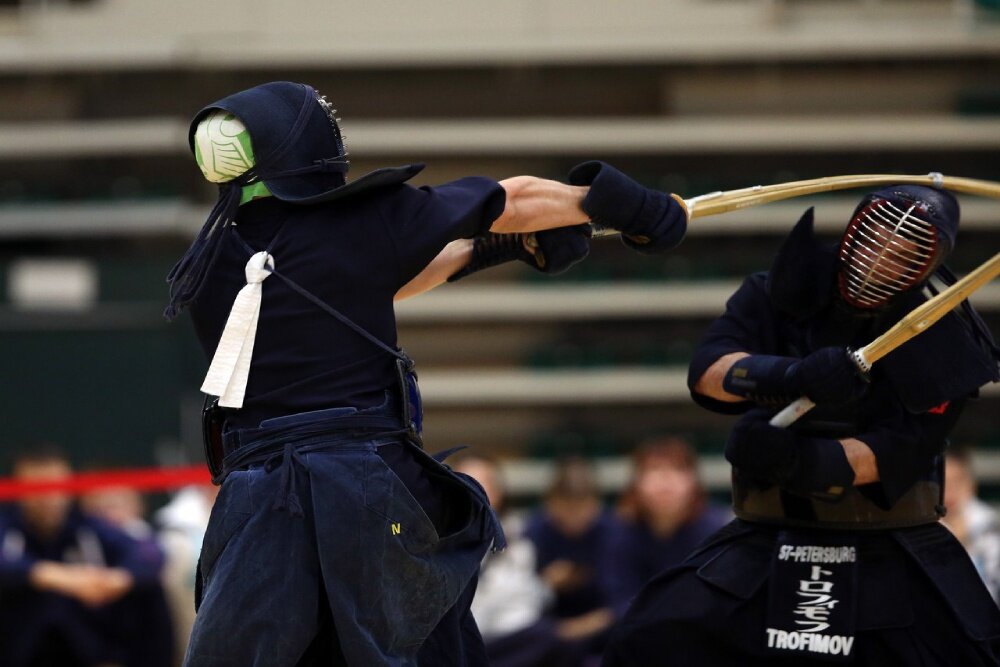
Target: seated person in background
(122, 507)
(973, 522)
(154, 641)
(569, 533)
(510, 601)
(664, 515)
(66, 579)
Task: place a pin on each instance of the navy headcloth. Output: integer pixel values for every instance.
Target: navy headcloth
(300, 157)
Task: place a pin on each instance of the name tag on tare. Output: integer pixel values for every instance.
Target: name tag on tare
(812, 596)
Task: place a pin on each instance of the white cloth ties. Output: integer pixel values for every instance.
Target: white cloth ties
(230, 368)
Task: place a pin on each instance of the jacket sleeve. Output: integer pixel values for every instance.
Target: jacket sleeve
(15, 567)
(422, 221)
(906, 446)
(747, 325)
(143, 558)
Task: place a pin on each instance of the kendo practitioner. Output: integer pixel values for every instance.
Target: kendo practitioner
(836, 553)
(335, 538)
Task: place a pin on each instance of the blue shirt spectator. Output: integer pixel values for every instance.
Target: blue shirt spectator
(569, 533)
(665, 514)
(74, 587)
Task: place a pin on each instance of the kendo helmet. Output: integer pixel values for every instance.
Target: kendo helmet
(292, 146)
(896, 238)
(297, 151)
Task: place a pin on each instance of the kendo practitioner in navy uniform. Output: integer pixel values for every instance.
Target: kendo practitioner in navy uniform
(335, 538)
(836, 554)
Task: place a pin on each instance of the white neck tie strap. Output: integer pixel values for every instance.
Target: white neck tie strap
(230, 368)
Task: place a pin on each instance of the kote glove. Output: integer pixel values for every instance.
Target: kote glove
(650, 221)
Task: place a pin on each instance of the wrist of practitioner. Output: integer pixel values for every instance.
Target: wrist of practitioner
(827, 376)
(650, 221)
(803, 464)
(551, 251)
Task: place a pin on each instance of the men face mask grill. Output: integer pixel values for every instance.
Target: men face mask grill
(888, 248)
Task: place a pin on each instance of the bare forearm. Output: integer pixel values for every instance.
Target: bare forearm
(50, 576)
(451, 259)
(862, 460)
(534, 204)
(710, 383)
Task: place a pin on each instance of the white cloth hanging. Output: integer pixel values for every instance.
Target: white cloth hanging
(230, 368)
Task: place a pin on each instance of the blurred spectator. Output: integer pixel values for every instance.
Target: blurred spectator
(181, 525)
(70, 583)
(665, 514)
(973, 522)
(122, 507)
(125, 509)
(569, 533)
(510, 599)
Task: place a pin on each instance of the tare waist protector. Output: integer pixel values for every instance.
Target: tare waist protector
(921, 504)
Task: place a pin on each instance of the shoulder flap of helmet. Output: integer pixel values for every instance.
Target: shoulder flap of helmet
(802, 276)
(380, 178)
(944, 363)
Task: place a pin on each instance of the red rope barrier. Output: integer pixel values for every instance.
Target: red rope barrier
(140, 479)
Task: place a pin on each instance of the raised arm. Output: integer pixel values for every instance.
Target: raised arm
(827, 376)
(550, 251)
(535, 203)
(453, 258)
(650, 221)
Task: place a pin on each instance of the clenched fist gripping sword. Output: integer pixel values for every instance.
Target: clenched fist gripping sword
(913, 324)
